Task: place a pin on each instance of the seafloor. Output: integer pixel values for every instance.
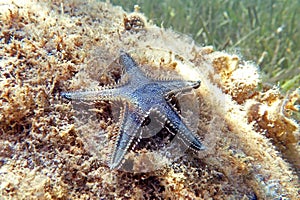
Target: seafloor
(47, 47)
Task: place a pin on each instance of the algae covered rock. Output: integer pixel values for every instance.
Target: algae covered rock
(47, 152)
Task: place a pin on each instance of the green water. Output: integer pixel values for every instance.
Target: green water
(265, 32)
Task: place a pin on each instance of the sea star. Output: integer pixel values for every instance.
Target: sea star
(141, 95)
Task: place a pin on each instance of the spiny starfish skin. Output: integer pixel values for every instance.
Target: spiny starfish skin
(141, 95)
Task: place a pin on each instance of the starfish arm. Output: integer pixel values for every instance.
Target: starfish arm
(130, 66)
(104, 93)
(131, 123)
(175, 86)
(189, 138)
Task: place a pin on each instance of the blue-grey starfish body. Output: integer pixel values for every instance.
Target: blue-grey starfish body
(141, 95)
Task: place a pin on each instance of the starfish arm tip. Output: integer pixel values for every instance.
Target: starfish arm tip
(112, 166)
(197, 85)
(203, 147)
(197, 145)
(66, 95)
(117, 158)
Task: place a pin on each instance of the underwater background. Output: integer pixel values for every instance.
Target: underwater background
(48, 47)
(265, 32)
